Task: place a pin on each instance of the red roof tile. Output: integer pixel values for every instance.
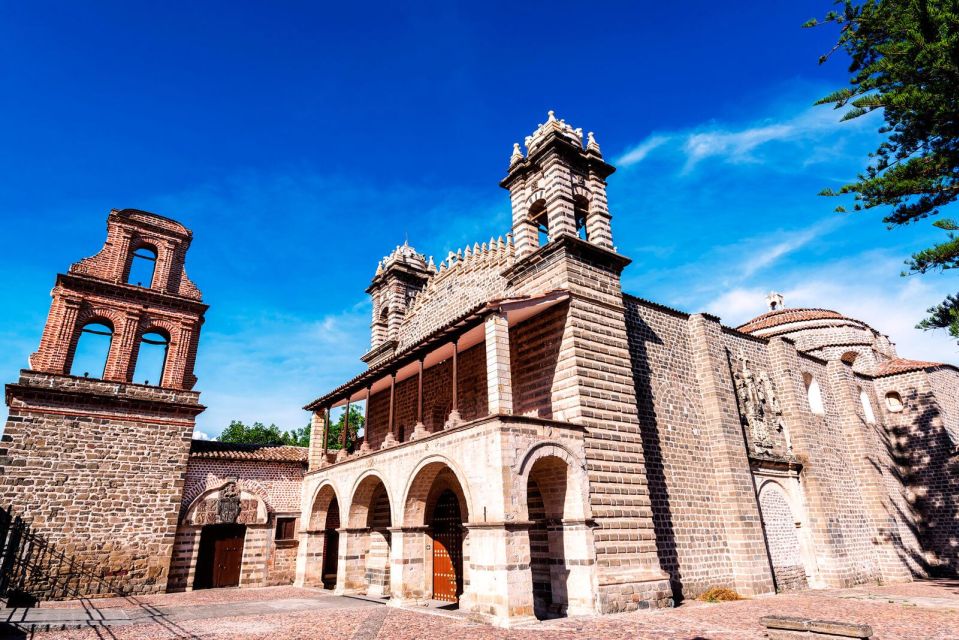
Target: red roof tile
(902, 365)
(786, 316)
(257, 452)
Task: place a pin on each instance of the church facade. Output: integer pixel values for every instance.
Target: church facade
(536, 442)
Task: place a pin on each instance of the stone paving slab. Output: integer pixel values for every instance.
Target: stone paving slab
(907, 612)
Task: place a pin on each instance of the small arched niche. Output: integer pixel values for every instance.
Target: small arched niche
(894, 402)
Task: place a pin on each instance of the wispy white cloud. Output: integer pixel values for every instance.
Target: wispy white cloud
(766, 252)
(816, 132)
(640, 151)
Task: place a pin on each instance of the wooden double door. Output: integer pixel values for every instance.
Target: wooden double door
(220, 557)
(447, 527)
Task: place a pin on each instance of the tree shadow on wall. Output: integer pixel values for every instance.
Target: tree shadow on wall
(639, 335)
(923, 462)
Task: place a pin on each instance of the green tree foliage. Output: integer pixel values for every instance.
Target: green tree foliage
(904, 60)
(335, 434)
(258, 433)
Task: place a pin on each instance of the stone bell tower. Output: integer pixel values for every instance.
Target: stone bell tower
(399, 277)
(558, 189)
(92, 460)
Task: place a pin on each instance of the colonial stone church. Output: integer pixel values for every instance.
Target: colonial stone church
(536, 442)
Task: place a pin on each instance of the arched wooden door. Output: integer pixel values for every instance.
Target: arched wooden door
(447, 528)
(220, 556)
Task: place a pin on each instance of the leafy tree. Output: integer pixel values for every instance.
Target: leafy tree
(905, 61)
(333, 440)
(258, 433)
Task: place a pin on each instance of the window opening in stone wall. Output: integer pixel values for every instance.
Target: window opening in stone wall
(285, 528)
(580, 209)
(814, 395)
(142, 265)
(894, 402)
(93, 347)
(537, 215)
(867, 407)
(151, 359)
(849, 357)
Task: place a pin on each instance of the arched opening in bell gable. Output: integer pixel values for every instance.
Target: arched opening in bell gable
(142, 266)
(540, 220)
(580, 215)
(92, 349)
(151, 358)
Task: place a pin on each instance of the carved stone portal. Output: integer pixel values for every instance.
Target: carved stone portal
(228, 504)
(759, 406)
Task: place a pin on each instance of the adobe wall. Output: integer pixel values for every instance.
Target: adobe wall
(98, 468)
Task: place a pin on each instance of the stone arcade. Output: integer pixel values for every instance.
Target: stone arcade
(537, 443)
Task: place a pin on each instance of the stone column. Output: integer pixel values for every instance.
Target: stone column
(365, 447)
(317, 451)
(390, 439)
(342, 454)
(559, 196)
(409, 579)
(454, 417)
(419, 430)
(499, 383)
(351, 568)
(500, 586)
(735, 491)
(575, 577)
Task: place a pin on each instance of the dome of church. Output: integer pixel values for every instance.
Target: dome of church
(788, 320)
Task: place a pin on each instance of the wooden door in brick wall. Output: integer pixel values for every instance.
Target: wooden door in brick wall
(447, 548)
(220, 557)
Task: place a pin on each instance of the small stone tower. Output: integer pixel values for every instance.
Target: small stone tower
(558, 188)
(94, 461)
(399, 277)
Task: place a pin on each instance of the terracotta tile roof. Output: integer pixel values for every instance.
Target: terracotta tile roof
(258, 452)
(786, 316)
(902, 365)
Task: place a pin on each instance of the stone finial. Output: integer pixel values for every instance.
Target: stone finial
(551, 116)
(591, 144)
(775, 301)
(431, 265)
(517, 154)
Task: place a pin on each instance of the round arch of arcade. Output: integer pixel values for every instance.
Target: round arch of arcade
(554, 497)
(321, 537)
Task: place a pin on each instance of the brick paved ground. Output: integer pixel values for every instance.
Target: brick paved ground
(919, 611)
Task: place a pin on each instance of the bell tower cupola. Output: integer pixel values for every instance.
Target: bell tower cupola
(399, 277)
(558, 188)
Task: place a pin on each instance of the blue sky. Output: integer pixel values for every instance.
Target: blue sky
(302, 142)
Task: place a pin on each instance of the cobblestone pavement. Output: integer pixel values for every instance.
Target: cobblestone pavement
(918, 611)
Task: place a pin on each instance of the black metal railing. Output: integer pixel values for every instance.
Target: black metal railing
(33, 569)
